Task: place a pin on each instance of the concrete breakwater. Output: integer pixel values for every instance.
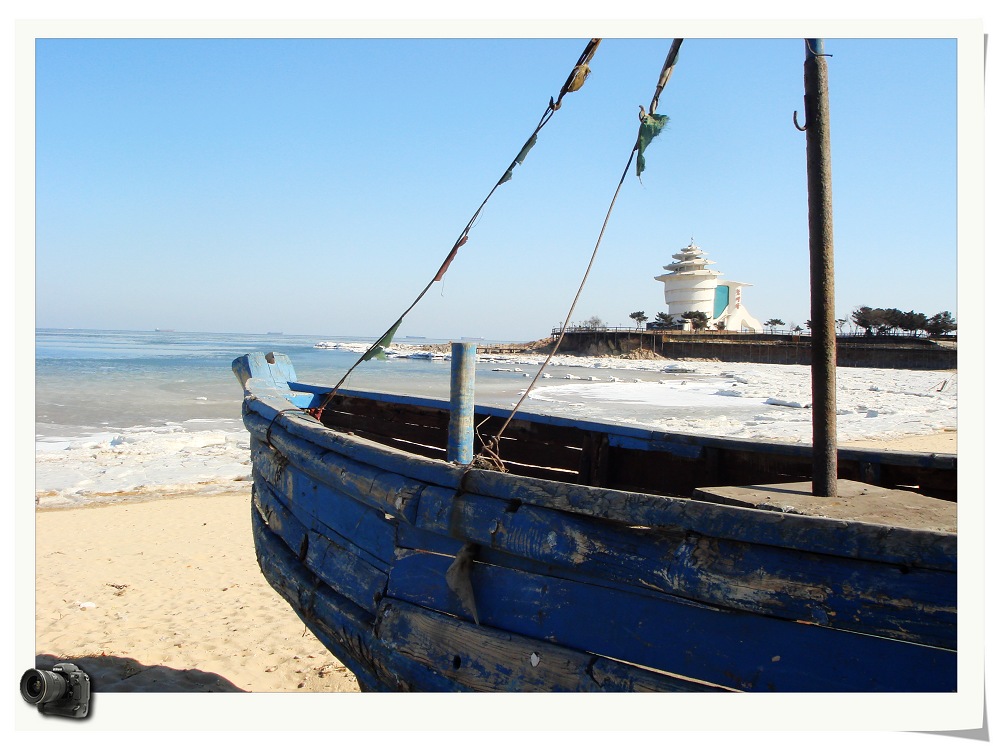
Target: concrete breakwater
(899, 352)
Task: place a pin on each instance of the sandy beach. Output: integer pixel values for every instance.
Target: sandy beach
(165, 595)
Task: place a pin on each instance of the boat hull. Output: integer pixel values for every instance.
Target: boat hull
(426, 576)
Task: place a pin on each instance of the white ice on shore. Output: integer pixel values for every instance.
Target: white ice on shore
(104, 467)
(755, 401)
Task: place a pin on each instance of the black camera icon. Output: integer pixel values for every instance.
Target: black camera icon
(63, 691)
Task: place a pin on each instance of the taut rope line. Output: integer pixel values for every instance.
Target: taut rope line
(573, 83)
(492, 448)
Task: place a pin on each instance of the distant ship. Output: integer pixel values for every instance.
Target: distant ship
(163, 330)
(274, 333)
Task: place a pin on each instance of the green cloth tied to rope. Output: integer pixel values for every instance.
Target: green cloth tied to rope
(519, 159)
(378, 351)
(649, 128)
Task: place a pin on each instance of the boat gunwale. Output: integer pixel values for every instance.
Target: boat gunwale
(853, 539)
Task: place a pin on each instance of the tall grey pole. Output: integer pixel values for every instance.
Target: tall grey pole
(822, 322)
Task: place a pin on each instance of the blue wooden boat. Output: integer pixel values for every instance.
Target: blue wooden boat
(604, 559)
(598, 557)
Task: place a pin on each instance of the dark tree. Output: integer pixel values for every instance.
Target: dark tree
(698, 319)
(941, 324)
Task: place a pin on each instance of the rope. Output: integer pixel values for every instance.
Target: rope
(492, 448)
(573, 82)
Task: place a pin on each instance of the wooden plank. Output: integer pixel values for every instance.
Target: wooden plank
(273, 369)
(333, 560)
(542, 455)
(530, 430)
(908, 547)
(919, 606)
(368, 529)
(385, 426)
(657, 445)
(855, 501)
(329, 511)
(289, 578)
(594, 460)
(914, 548)
(307, 429)
(737, 650)
(379, 410)
(385, 491)
(484, 659)
(340, 625)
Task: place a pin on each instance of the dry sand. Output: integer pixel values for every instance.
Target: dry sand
(166, 595)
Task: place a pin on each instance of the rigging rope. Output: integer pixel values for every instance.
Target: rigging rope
(491, 449)
(573, 83)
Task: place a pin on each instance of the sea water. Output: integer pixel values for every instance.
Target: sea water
(121, 414)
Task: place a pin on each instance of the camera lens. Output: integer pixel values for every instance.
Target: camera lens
(42, 686)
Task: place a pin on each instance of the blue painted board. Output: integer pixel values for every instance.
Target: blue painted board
(738, 650)
(876, 598)
(343, 627)
(915, 548)
(484, 659)
(329, 557)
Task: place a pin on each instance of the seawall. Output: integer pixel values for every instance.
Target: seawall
(899, 352)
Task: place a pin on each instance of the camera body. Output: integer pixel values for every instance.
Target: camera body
(63, 691)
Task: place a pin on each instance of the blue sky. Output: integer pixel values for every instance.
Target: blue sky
(315, 185)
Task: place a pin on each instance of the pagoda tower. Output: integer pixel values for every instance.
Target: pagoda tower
(691, 286)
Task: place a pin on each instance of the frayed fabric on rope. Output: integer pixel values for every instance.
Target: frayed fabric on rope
(650, 127)
(451, 256)
(519, 159)
(378, 351)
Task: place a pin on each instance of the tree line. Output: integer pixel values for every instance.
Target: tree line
(880, 321)
(874, 321)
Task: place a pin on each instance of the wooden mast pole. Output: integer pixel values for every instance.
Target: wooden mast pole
(822, 321)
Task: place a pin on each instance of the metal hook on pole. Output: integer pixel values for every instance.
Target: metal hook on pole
(795, 121)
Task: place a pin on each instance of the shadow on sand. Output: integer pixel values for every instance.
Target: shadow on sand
(118, 674)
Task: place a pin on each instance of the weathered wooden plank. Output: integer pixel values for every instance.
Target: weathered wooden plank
(542, 455)
(732, 649)
(877, 598)
(340, 625)
(334, 560)
(485, 659)
(530, 430)
(328, 511)
(308, 430)
(855, 501)
(364, 409)
(915, 548)
(278, 518)
(594, 460)
(274, 369)
(908, 547)
(368, 529)
(382, 428)
(369, 484)
(384, 491)
(658, 445)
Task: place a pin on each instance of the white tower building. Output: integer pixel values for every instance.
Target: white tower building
(690, 286)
